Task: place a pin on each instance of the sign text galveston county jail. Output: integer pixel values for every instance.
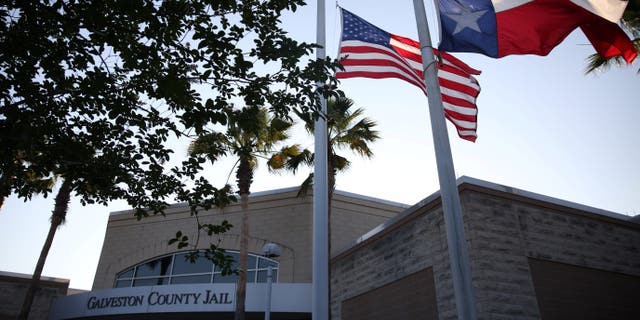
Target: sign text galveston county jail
(156, 298)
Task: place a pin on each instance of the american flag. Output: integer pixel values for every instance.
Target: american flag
(370, 52)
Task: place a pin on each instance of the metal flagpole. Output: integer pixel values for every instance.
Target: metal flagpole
(458, 255)
(320, 274)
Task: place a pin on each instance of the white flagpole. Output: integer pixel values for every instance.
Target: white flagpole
(456, 243)
(320, 273)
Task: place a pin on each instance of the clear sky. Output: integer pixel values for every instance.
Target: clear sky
(543, 126)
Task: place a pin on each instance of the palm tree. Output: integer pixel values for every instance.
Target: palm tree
(346, 130)
(58, 217)
(630, 23)
(250, 134)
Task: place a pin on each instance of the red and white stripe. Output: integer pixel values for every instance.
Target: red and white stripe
(458, 87)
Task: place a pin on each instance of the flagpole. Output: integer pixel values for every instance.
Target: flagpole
(320, 272)
(456, 243)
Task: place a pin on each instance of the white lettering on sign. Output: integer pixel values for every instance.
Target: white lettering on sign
(157, 298)
(114, 302)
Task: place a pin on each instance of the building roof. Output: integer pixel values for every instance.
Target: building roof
(289, 190)
(478, 184)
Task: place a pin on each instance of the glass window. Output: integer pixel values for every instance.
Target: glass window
(204, 278)
(262, 276)
(176, 269)
(251, 276)
(264, 263)
(251, 262)
(150, 282)
(158, 267)
(218, 278)
(123, 283)
(126, 274)
(182, 265)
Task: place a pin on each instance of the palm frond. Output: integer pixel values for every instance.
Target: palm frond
(303, 158)
(631, 18)
(212, 145)
(307, 118)
(306, 185)
(340, 163)
(278, 160)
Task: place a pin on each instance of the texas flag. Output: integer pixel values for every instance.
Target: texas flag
(498, 28)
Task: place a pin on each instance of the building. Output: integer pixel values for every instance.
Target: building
(532, 257)
(13, 288)
(139, 275)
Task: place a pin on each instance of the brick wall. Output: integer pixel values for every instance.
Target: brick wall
(407, 248)
(13, 289)
(506, 232)
(281, 218)
(503, 231)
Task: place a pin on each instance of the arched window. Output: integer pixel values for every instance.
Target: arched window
(177, 269)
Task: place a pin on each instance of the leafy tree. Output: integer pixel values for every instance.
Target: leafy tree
(630, 23)
(250, 134)
(91, 91)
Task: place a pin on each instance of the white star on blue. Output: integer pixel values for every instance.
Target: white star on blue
(468, 26)
(354, 28)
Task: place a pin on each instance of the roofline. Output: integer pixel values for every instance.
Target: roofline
(434, 199)
(28, 277)
(372, 199)
(286, 190)
(540, 197)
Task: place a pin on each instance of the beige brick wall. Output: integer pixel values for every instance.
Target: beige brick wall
(278, 217)
(400, 251)
(13, 289)
(503, 231)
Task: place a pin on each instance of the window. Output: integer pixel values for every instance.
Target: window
(177, 269)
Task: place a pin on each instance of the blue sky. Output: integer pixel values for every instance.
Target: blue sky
(543, 126)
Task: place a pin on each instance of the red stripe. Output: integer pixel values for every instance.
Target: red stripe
(379, 63)
(454, 70)
(460, 116)
(455, 61)
(415, 76)
(471, 138)
(375, 75)
(457, 101)
(368, 49)
(459, 87)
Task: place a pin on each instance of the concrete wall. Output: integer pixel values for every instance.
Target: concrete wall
(504, 231)
(13, 288)
(278, 217)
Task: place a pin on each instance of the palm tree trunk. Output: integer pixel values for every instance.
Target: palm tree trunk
(57, 217)
(331, 171)
(244, 177)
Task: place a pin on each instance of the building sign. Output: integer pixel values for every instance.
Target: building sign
(182, 298)
(151, 299)
(157, 298)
